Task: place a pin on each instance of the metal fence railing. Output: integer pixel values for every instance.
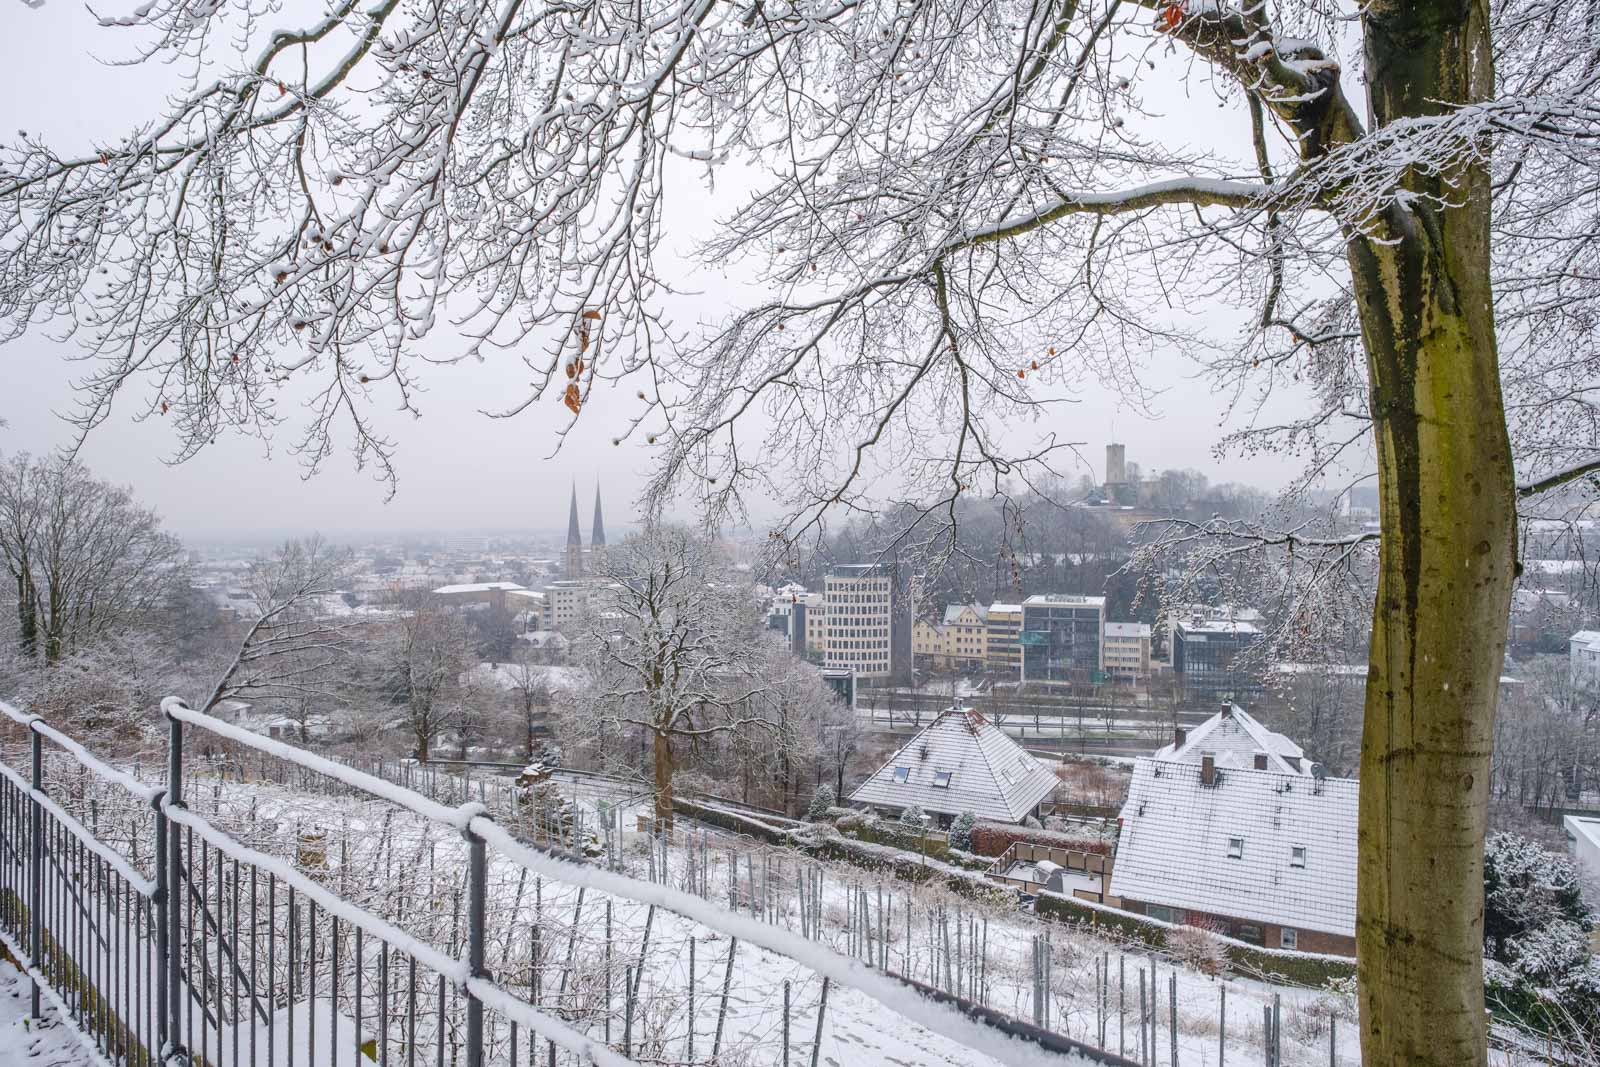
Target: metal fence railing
(216, 921)
(88, 923)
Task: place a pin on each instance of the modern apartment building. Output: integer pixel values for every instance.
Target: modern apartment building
(1002, 653)
(798, 615)
(1127, 650)
(858, 600)
(1062, 638)
(567, 601)
(1206, 649)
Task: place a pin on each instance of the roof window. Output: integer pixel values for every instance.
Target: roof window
(1297, 856)
(902, 774)
(941, 779)
(1236, 848)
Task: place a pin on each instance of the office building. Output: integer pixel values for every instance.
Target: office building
(1127, 650)
(1061, 639)
(858, 602)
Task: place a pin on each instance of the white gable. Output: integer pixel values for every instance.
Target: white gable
(1233, 737)
(960, 762)
(1178, 840)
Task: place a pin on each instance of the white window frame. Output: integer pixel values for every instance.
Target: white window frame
(1289, 938)
(1236, 848)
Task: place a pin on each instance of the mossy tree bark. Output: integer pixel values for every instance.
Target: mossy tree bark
(1420, 274)
(1447, 559)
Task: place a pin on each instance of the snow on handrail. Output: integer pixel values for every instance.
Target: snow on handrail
(90, 761)
(141, 885)
(943, 1019)
(457, 816)
(549, 1027)
(470, 817)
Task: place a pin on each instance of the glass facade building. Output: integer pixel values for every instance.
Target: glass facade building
(1061, 638)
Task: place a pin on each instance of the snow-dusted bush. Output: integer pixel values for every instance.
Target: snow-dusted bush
(1538, 967)
(961, 831)
(913, 818)
(821, 801)
(1198, 948)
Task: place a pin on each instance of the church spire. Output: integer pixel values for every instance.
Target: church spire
(574, 540)
(597, 535)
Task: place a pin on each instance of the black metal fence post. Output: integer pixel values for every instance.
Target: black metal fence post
(161, 899)
(174, 916)
(36, 873)
(477, 876)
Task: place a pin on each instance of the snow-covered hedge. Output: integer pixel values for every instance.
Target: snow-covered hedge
(993, 838)
(1298, 968)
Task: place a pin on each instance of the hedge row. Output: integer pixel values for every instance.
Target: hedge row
(1299, 968)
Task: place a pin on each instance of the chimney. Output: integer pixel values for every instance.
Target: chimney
(1261, 761)
(1227, 709)
(1180, 736)
(1208, 769)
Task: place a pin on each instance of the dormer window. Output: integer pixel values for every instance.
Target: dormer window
(1236, 848)
(1297, 856)
(941, 779)
(902, 774)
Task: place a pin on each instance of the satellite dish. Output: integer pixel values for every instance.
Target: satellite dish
(1318, 771)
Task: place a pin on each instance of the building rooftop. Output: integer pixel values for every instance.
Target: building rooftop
(952, 613)
(1233, 737)
(477, 587)
(1589, 638)
(1257, 845)
(1065, 599)
(857, 570)
(997, 608)
(960, 762)
(1127, 629)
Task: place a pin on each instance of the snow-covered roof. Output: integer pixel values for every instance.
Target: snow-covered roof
(1064, 600)
(1009, 609)
(1275, 848)
(530, 594)
(544, 639)
(960, 762)
(1127, 629)
(952, 613)
(509, 677)
(1586, 638)
(1233, 737)
(476, 587)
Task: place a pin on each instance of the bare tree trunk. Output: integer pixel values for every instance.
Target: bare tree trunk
(664, 768)
(1448, 500)
(424, 739)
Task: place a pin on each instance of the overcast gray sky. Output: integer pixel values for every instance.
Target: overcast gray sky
(458, 469)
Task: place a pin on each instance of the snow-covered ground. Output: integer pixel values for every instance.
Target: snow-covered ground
(568, 947)
(43, 1042)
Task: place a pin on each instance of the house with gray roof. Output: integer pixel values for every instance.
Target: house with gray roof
(1265, 856)
(959, 762)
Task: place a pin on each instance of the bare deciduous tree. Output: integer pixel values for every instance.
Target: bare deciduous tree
(292, 648)
(85, 559)
(670, 652)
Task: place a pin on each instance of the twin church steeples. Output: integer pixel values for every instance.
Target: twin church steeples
(597, 538)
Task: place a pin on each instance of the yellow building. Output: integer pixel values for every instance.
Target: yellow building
(1002, 653)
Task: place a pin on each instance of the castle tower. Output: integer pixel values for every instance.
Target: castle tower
(597, 536)
(574, 565)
